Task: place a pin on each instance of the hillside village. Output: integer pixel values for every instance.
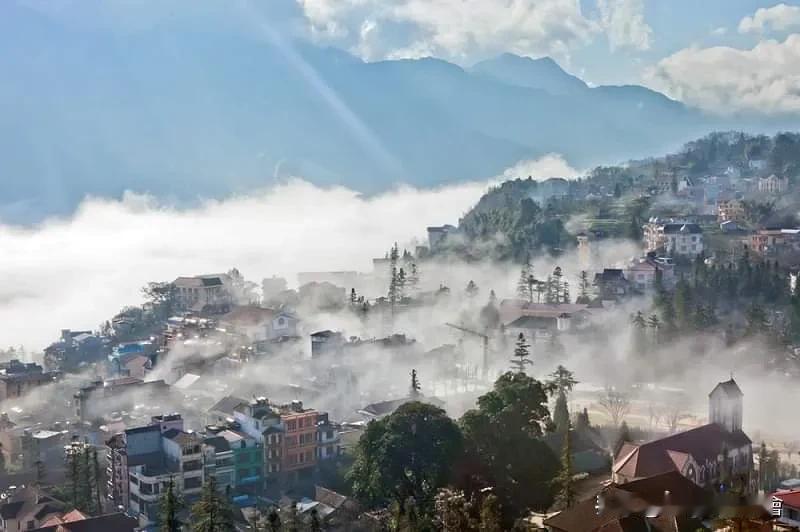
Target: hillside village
(406, 399)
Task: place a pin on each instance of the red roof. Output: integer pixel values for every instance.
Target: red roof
(668, 454)
(789, 497)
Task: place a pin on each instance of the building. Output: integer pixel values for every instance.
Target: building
(773, 185)
(666, 502)
(730, 210)
(438, 236)
(75, 521)
(788, 504)
(326, 342)
(288, 434)
(236, 459)
(775, 241)
(328, 440)
(26, 508)
(611, 284)
(643, 273)
(712, 454)
(100, 397)
(73, 349)
(200, 291)
(17, 378)
(260, 324)
(674, 238)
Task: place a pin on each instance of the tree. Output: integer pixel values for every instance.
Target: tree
(616, 404)
(654, 324)
(582, 421)
(561, 413)
(472, 289)
(558, 287)
(682, 304)
(273, 520)
(2, 461)
(675, 411)
(521, 355)
(314, 524)
(163, 297)
(453, 511)
(409, 453)
(561, 380)
(504, 449)
(98, 479)
(583, 288)
(212, 513)
(394, 288)
(623, 436)
(415, 387)
(490, 514)
(526, 280)
(639, 333)
(566, 495)
(412, 282)
(169, 507)
(565, 297)
(757, 322)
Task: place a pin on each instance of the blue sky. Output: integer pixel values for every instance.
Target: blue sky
(696, 51)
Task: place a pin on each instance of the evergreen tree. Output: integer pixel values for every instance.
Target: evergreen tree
(413, 280)
(566, 494)
(541, 289)
(169, 507)
(551, 295)
(526, 280)
(557, 286)
(2, 461)
(212, 513)
(353, 296)
(756, 320)
(655, 325)
(583, 288)
(582, 421)
(561, 413)
(99, 480)
(415, 387)
(565, 297)
(639, 333)
(682, 304)
(394, 288)
(623, 436)
(401, 284)
(521, 355)
(561, 380)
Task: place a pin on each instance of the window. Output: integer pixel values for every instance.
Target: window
(192, 483)
(291, 425)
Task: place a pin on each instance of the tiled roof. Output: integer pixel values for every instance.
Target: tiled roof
(228, 404)
(117, 522)
(665, 454)
(789, 497)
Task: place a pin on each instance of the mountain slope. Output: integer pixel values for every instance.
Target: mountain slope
(186, 112)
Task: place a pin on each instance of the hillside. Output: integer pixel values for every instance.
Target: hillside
(189, 112)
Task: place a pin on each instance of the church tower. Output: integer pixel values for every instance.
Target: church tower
(725, 405)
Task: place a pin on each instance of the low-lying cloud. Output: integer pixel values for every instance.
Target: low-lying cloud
(78, 271)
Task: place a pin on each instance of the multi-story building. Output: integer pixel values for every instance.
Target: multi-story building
(18, 378)
(328, 439)
(643, 273)
(773, 185)
(202, 290)
(730, 210)
(237, 459)
(287, 433)
(775, 241)
(673, 238)
(101, 397)
(142, 461)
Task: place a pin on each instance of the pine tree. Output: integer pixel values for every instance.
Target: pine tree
(521, 355)
(394, 288)
(169, 507)
(557, 285)
(353, 296)
(99, 480)
(551, 295)
(413, 280)
(401, 284)
(561, 413)
(526, 280)
(565, 297)
(566, 485)
(654, 324)
(583, 288)
(212, 513)
(415, 386)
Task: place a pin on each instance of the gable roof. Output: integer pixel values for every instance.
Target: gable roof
(789, 497)
(666, 454)
(118, 522)
(729, 387)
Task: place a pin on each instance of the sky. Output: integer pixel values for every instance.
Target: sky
(720, 55)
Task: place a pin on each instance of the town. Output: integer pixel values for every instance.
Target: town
(572, 355)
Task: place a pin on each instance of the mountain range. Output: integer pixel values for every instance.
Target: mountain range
(185, 113)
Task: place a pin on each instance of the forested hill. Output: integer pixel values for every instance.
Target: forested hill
(523, 216)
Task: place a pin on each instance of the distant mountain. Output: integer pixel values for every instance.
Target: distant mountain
(543, 73)
(187, 112)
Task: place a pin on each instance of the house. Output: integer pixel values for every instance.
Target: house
(99, 397)
(260, 324)
(643, 273)
(75, 521)
(787, 504)
(775, 240)
(237, 460)
(611, 284)
(326, 342)
(673, 237)
(382, 409)
(438, 236)
(572, 315)
(27, 508)
(730, 209)
(773, 185)
(718, 452)
(201, 291)
(17, 378)
(666, 502)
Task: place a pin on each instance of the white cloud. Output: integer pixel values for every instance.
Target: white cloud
(77, 272)
(719, 32)
(454, 29)
(722, 79)
(623, 21)
(551, 165)
(778, 18)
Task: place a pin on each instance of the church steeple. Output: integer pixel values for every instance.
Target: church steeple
(725, 405)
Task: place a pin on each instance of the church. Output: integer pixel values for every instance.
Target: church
(717, 455)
